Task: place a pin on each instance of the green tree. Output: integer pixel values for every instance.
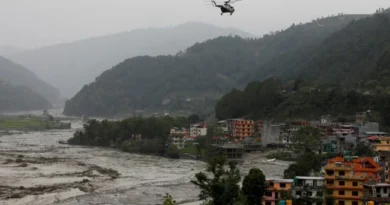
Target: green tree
(222, 188)
(194, 118)
(253, 187)
(168, 200)
(307, 139)
(362, 149)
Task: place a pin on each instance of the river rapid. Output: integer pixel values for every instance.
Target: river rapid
(36, 170)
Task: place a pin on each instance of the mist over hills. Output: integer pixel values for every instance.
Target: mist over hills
(9, 50)
(70, 66)
(196, 78)
(17, 75)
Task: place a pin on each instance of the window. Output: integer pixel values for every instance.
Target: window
(341, 202)
(341, 173)
(354, 184)
(271, 184)
(309, 193)
(329, 172)
(268, 203)
(355, 203)
(329, 182)
(384, 190)
(268, 193)
(341, 183)
(355, 193)
(342, 193)
(282, 185)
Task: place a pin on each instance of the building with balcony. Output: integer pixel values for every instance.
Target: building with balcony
(382, 144)
(345, 176)
(239, 129)
(275, 188)
(223, 125)
(197, 130)
(384, 161)
(378, 193)
(177, 136)
(310, 187)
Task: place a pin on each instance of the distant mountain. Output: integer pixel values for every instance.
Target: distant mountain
(18, 98)
(70, 66)
(9, 50)
(195, 79)
(16, 75)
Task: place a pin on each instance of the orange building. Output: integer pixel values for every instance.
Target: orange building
(382, 144)
(274, 189)
(345, 176)
(241, 128)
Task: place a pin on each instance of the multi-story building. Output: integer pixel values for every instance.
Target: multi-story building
(199, 129)
(223, 125)
(177, 136)
(275, 188)
(294, 126)
(345, 176)
(311, 187)
(383, 144)
(178, 131)
(241, 128)
(378, 193)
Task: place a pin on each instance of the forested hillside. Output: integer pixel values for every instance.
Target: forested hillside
(274, 100)
(17, 98)
(70, 66)
(17, 75)
(195, 79)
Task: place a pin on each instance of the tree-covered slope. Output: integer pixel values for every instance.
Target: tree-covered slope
(71, 65)
(16, 75)
(17, 98)
(195, 79)
(348, 57)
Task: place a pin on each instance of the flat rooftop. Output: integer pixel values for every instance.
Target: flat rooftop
(281, 180)
(309, 178)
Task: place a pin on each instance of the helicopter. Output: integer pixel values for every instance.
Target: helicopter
(226, 7)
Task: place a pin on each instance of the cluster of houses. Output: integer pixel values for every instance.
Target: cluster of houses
(346, 180)
(336, 136)
(181, 136)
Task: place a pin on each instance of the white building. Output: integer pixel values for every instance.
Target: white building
(177, 137)
(197, 130)
(312, 187)
(223, 125)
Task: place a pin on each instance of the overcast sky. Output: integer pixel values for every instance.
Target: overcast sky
(36, 23)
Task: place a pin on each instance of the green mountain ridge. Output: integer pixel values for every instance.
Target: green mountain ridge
(16, 75)
(204, 72)
(18, 98)
(70, 66)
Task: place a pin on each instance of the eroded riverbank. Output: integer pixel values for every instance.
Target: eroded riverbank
(35, 169)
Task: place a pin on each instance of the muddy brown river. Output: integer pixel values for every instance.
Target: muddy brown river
(36, 170)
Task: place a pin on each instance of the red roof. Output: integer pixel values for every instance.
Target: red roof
(373, 138)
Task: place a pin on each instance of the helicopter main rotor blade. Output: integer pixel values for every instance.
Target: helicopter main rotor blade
(234, 1)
